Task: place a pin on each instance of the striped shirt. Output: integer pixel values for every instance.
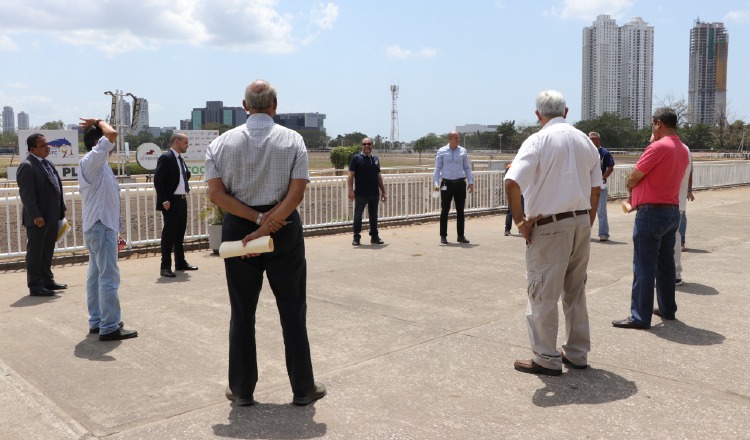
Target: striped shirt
(100, 192)
(256, 160)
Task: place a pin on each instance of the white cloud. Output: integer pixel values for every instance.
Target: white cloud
(738, 16)
(324, 15)
(118, 27)
(6, 44)
(589, 9)
(397, 51)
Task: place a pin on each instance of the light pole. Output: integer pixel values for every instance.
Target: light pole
(116, 120)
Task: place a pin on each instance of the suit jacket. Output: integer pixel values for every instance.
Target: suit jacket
(38, 193)
(166, 178)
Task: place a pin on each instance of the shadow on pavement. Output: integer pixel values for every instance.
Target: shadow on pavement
(583, 387)
(93, 349)
(609, 242)
(697, 289)
(681, 333)
(28, 300)
(271, 421)
(696, 251)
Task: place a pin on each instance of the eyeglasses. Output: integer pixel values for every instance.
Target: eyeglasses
(366, 143)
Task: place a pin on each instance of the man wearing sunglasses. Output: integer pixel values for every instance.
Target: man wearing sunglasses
(365, 185)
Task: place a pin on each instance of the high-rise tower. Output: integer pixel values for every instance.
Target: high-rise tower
(618, 70)
(707, 81)
(9, 123)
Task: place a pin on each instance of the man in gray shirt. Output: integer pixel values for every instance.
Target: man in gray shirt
(100, 196)
(258, 173)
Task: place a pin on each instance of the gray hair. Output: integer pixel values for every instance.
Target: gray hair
(595, 134)
(260, 95)
(550, 104)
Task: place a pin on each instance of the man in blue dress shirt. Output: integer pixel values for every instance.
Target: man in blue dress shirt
(452, 170)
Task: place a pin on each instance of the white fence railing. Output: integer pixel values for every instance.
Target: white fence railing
(326, 203)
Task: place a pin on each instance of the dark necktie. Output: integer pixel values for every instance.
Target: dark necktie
(183, 173)
(50, 173)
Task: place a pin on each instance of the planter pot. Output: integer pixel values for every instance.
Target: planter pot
(214, 237)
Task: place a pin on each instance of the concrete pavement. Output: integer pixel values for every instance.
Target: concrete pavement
(413, 339)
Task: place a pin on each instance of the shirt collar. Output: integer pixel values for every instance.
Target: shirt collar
(259, 120)
(175, 152)
(555, 120)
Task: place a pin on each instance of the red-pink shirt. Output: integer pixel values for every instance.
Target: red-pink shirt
(663, 163)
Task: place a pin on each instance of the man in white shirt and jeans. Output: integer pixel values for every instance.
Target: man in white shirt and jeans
(100, 196)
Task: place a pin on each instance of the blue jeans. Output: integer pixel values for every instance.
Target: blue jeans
(601, 213)
(372, 213)
(683, 228)
(102, 279)
(653, 259)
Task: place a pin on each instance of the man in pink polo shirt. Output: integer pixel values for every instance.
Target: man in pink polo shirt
(654, 189)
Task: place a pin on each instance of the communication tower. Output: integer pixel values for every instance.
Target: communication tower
(394, 115)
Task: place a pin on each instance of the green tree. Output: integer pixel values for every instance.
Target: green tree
(217, 126)
(340, 156)
(697, 136)
(507, 136)
(313, 138)
(615, 131)
(53, 125)
(354, 138)
(427, 143)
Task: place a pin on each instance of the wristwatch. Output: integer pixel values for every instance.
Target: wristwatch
(259, 220)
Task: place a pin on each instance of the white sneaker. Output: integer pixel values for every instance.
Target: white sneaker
(678, 282)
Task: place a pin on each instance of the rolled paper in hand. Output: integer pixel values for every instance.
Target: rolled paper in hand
(63, 227)
(627, 208)
(230, 249)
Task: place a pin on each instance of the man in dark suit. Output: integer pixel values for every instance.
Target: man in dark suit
(40, 189)
(171, 183)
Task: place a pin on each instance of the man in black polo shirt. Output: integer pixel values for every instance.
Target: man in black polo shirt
(364, 181)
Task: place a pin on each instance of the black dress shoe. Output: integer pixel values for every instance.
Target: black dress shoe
(570, 364)
(118, 335)
(240, 401)
(657, 312)
(96, 329)
(629, 322)
(186, 266)
(167, 273)
(56, 286)
(531, 367)
(376, 241)
(355, 242)
(317, 392)
(443, 240)
(463, 239)
(42, 292)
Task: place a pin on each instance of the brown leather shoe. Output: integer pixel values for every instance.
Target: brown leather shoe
(531, 367)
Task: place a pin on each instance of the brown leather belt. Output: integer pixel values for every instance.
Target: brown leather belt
(657, 205)
(563, 215)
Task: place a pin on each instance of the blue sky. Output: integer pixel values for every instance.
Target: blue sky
(455, 62)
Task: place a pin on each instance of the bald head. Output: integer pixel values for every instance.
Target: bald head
(453, 139)
(260, 97)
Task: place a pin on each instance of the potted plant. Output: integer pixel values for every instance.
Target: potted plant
(213, 215)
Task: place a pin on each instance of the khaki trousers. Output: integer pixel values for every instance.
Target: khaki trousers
(556, 263)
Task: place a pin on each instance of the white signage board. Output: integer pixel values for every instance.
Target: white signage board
(147, 155)
(63, 151)
(195, 156)
(63, 145)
